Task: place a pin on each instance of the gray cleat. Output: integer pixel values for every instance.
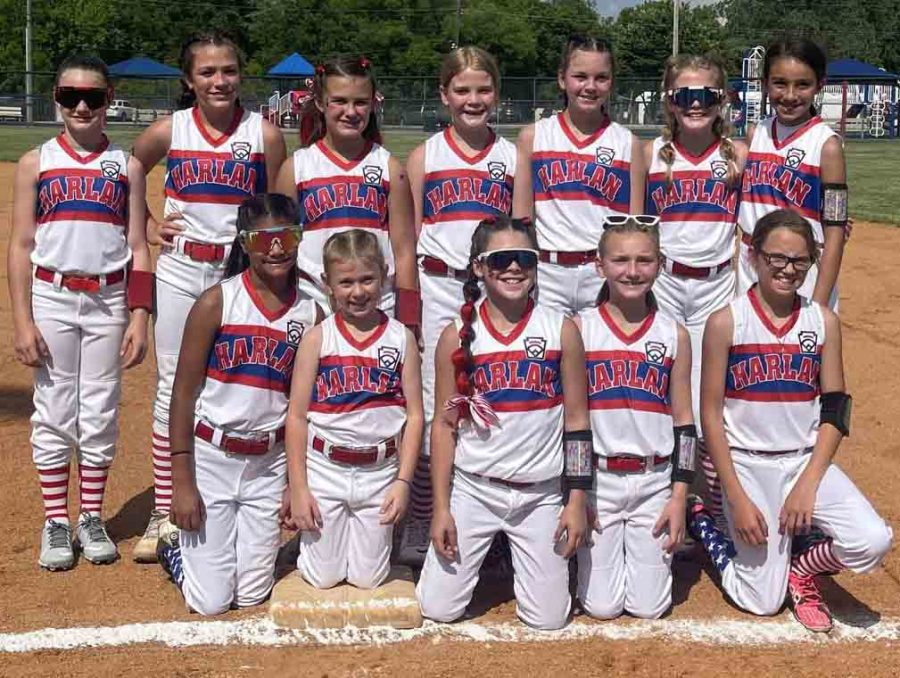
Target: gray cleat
(96, 546)
(56, 547)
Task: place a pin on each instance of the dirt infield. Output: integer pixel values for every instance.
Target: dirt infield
(127, 593)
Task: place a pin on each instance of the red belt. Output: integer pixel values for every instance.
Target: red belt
(628, 463)
(694, 272)
(234, 445)
(514, 484)
(81, 283)
(438, 267)
(202, 251)
(354, 456)
(568, 258)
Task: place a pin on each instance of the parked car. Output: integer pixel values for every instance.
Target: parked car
(121, 110)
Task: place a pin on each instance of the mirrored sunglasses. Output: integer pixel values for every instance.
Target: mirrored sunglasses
(686, 97)
(622, 219)
(262, 241)
(70, 97)
(501, 259)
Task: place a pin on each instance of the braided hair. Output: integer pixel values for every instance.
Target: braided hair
(463, 362)
(312, 119)
(675, 66)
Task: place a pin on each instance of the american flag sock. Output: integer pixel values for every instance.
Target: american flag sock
(92, 487)
(162, 468)
(817, 559)
(170, 557)
(55, 493)
(702, 527)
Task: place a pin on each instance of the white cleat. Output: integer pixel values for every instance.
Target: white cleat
(145, 549)
(95, 544)
(56, 547)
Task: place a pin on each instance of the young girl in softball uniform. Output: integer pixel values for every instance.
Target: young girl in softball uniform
(639, 367)
(228, 412)
(77, 263)
(354, 423)
(217, 155)
(796, 162)
(573, 170)
(458, 177)
(774, 413)
(512, 435)
(693, 186)
(343, 178)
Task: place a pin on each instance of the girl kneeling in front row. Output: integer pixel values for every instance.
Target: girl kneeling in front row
(774, 413)
(228, 463)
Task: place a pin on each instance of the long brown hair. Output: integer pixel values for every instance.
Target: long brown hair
(584, 43)
(186, 60)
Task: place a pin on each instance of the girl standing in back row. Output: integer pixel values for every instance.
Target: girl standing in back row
(573, 170)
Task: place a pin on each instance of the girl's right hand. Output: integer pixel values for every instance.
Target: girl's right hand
(161, 233)
(749, 523)
(443, 535)
(305, 513)
(188, 511)
(30, 347)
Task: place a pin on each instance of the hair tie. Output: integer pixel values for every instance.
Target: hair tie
(490, 221)
(524, 221)
(467, 312)
(466, 334)
(364, 63)
(459, 359)
(320, 70)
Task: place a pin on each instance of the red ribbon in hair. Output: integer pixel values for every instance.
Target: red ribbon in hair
(364, 63)
(320, 70)
(474, 407)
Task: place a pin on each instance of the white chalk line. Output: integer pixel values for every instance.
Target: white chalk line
(263, 632)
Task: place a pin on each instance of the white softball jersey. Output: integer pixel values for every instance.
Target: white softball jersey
(208, 177)
(519, 375)
(772, 383)
(628, 383)
(697, 209)
(461, 190)
(248, 372)
(357, 399)
(784, 174)
(81, 211)
(336, 195)
(578, 183)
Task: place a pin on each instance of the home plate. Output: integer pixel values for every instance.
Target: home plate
(298, 605)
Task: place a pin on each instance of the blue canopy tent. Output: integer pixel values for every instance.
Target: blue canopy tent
(858, 71)
(142, 67)
(293, 66)
(874, 93)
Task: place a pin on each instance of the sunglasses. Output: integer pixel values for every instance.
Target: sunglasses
(261, 241)
(622, 219)
(779, 262)
(686, 97)
(70, 97)
(502, 259)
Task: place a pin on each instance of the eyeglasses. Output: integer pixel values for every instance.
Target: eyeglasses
(70, 97)
(779, 262)
(621, 219)
(261, 241)
(501, 259)
(685, 97)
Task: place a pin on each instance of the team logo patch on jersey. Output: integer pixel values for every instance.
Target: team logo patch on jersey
(388, 357)
(497, 171)
(719, 169)
(240, 150)
(372, 174)
(110, 168)
(655, 351)
(605, 155)
(295, 330)
(535, 347)
(794, 158)
(808, 341)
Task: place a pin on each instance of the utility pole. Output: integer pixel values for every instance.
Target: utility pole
(675, 4)
(458, 20)
(29, 84)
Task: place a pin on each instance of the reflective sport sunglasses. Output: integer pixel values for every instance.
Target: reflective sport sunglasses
(779, 262)
(502, 259)
(70, 97)
(622, 219)
(261, 241)
(685, 97)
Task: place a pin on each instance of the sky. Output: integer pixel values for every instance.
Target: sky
(613, 7)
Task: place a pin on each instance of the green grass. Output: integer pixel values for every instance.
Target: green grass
(871, 165)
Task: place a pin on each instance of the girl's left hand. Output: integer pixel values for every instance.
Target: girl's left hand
(134, 342)
(671, 520)
(797, 512)
(395, 502)
(573, 523)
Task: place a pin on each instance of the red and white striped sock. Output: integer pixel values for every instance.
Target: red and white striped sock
(55, 492)
(713, 484)
(92, 487)
(162, 468)
(817, 559)
(420, 499)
